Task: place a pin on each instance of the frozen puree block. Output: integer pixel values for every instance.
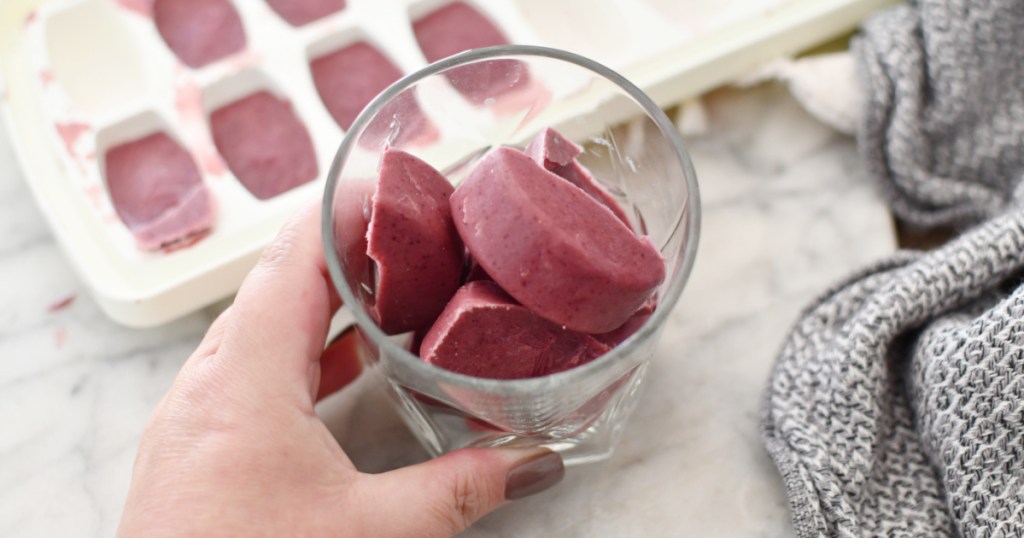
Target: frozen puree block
(558, 154)
(620, 334)
(299, 12)
(475, 272)
(551, 246)
(484, 333)
(199, 31)
(353, 203)
(412, 239)
(458, 27)
(156, 190)
(349, 78)
(264, 144)
(552, 150)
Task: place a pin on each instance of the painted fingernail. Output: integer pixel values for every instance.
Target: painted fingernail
(534, 474)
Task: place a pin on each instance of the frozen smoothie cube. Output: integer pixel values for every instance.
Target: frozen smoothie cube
(156, 190)
(264, 144)
(411, 238)
(578, 175)
(349, 78)
(199, 31)
(475, 272)
(457, 27)
(353, 203)
(300, 12)
(621, 333)
(552, 150)
(551, 246)
(558, 154)
(484, 333)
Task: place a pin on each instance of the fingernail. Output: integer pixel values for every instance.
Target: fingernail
(533, 474)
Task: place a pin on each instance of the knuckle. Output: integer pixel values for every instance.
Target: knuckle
(448, 524)
(200, 399)
(291, 236)
(466, 502)
(277, 252)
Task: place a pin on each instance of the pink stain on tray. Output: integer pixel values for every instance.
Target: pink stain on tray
(244, 60)
(60, 337)
(62, 303)
(188, 101)
(95, 194)
(139, 7)
(70, 132)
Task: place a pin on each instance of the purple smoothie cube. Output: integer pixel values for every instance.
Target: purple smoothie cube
(418, 254)
(300, 12)
(484, 333)
(551, 246)
(558, 154)
(458, 27)
(157, 191)
(199, 32)
(264, 144)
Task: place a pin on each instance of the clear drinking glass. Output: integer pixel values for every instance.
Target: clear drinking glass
(450, 114)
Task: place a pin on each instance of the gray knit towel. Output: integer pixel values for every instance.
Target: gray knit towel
(896, 407)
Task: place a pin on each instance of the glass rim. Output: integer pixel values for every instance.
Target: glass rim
(690, 212)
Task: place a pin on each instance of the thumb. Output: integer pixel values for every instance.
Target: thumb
(444, 496)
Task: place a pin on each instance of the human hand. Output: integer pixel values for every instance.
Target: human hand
(236, 448)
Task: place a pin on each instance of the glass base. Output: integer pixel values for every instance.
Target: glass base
(441, 428)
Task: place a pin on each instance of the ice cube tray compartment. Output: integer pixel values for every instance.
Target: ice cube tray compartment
(93, 58)
(106, 76)
(199, 32)
(131, 129)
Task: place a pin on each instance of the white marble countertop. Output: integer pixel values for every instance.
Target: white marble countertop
(787, 210)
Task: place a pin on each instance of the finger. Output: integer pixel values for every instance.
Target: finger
(339, 363)
(446, 495)
(279, 320)
(211, 341)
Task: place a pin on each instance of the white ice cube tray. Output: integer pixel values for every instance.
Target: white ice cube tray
(83, 76)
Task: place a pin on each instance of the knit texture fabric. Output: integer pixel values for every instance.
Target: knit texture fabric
(896, 406)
